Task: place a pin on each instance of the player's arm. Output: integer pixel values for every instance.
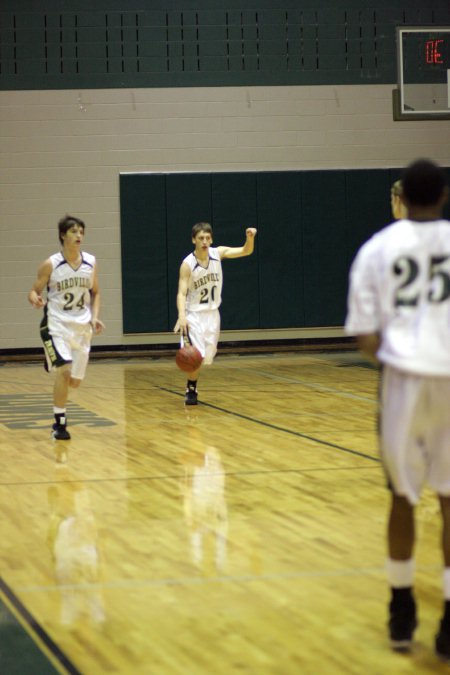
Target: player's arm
(363, 316)
(369, 345)
(240, 251)
(43, 275)
(183, 287)
(97, 325)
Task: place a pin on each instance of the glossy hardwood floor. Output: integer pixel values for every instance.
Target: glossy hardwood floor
(242, 536)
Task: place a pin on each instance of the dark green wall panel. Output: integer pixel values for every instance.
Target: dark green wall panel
(280, 248)
(367, 204)
(324, 247)
(144, 253)
(310, 225)
(233, 210)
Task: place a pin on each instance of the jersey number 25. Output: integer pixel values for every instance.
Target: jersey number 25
(408, 269)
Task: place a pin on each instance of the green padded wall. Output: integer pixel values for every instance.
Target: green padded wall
(280, 248)
(310, 225)
(324, 245)
(367, 201)
(234, 209)
(145, 275)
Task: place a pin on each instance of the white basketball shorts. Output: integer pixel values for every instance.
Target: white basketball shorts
(204, 331)
(415, 432)
(67, 343)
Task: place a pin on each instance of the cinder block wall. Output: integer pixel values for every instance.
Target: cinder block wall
(62, 152)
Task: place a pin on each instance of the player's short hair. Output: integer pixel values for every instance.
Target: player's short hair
(423, 183)
(66, 223)
(397, 188)
(201, 227)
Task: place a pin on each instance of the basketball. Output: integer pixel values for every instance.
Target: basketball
(188, 358)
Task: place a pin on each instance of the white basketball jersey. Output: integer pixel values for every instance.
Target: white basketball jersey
(400, 287)
(205, 286)
(68, 290)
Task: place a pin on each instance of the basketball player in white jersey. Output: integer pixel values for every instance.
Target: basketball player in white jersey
(399, 310)
(70, 314)
(398, 208)
(200, 294)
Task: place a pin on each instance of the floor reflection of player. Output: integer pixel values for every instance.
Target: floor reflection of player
(73, 540)
(205, 507)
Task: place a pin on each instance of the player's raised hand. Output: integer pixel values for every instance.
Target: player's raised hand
(250, 232)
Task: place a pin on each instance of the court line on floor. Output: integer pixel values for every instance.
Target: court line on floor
(275, 427)
(181, 475)
(225, 578)
(35, 630)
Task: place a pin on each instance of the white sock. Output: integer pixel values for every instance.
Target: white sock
(59, 411)
(446, 583)
(400, 573)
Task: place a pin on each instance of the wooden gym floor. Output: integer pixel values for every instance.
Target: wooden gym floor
(242, 536)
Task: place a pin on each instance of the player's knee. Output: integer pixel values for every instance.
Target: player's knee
(75, 383)
(209, 356)
(64, 373)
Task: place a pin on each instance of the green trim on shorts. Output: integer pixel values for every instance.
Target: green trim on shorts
(52, 354)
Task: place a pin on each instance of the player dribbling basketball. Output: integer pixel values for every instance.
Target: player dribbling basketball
(200, 295)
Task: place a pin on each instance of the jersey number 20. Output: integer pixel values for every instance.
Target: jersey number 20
(204, 299)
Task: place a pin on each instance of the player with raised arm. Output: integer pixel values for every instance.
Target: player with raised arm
(71, 314)
(200, 295)
(399, 310)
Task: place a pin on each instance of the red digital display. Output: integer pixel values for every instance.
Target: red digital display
(433, 53)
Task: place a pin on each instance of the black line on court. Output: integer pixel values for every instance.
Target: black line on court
(277, 428)
(36, 628)
(177, 476)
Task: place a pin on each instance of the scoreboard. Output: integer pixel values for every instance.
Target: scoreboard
(423, 69)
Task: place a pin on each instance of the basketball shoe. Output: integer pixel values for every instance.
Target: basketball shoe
(59, 432)
(402, 622)
(191, 397)
(443, 641)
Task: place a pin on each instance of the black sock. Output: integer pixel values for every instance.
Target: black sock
(61, 419)
(192, 385)
(402, 595)
(446, 617)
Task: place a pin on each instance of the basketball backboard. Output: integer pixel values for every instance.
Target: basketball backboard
(423, 73)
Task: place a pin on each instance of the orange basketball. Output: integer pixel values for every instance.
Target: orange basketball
(188, 358)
